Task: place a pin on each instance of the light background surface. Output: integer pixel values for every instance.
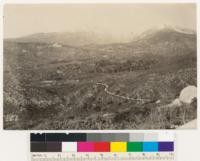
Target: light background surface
(14, 145)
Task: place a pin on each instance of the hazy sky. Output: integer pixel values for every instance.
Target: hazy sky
(115, 19)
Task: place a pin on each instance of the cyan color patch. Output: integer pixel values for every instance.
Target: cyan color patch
(150, 146)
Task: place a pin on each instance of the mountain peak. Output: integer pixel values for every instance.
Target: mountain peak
(174, 28)
(164, 28)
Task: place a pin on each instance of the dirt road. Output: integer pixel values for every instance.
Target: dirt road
(116, 95)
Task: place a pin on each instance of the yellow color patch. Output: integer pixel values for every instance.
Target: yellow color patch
(118, 147)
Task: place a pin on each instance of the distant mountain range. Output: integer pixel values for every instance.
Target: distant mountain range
(165, 28)
(164, 40)
(68, 38)
(163, 33)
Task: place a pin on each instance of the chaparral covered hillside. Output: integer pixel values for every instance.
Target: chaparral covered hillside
(57, 85)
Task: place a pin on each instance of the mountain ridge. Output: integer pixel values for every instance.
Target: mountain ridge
(82, 38)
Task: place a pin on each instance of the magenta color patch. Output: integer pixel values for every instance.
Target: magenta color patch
(85, 147)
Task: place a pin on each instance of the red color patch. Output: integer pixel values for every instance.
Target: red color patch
(101, 147)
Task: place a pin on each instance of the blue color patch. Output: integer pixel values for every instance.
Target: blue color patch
(150, 146)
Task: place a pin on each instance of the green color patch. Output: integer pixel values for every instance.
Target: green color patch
(134, 147)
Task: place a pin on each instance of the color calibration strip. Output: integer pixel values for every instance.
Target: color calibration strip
(104, 142)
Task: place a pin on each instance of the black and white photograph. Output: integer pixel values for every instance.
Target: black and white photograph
(99, 66)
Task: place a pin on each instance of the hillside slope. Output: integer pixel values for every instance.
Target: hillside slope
(48, 87)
